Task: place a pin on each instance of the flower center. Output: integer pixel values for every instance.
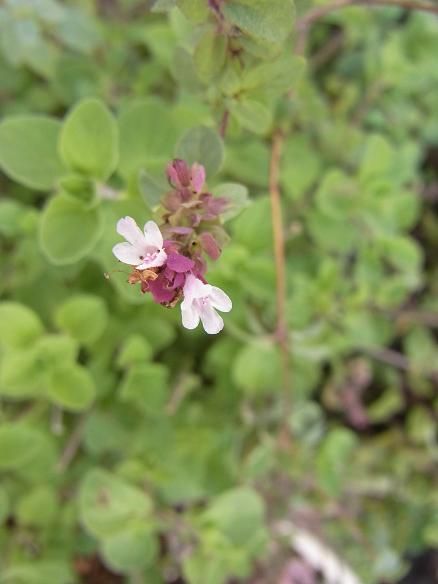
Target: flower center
(202, 302)
(149, 256)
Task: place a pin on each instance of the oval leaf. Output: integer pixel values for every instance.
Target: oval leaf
(89, 140)
(68, 230)
(202, 145)
(28, 151)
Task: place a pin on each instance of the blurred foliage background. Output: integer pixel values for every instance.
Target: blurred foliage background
(134, 451)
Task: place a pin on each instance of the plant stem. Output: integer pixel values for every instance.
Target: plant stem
(72, 446)
(312, 16)
(224, 124)
(281, 332)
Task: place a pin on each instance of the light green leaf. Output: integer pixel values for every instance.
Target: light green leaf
(378, 158)
(146, 386)
(107, 504)
(20, 326)
(18, 445)
(333, 458)
(38, 507)
(135, 349)
(83, 316)
(151, 188)
(300, 167)
(11, 214)
(253, 227)
(257, 368)
(71, 387)
(202, 145)
(268, 21)
(4, 505)
(133, 549)
(28, 151)
(337, 195)
(402, 251)
(238, 514)
(69, 230)
(38, 572)
(79, 187)
(147, 133)
(195, 10)
(89, 140)
(237, 194)
(252, 115)
(210, 54)
(54, 349)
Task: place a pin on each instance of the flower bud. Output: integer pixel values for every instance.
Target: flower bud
(178, 173)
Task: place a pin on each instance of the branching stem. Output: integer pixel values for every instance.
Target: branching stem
(281, 332)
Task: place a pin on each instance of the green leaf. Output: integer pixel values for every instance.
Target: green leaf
(252, 228)
(151, 189)
(20, 326)
(333, 459)
(21, 373)
(277, 76)
(107, 504)
(28, 151)
(69, 230)
(133, 549)
(237, 195)
(89, 140)
(4, 505)
(421, 427)
(147, 133)
(19, 444)
(79, 187)
(38, 572)
(195, 10)
(268, 21)
(301, 166)
(54, 349)
(238, 514)
(11, 214)
(135, 349)
(83, 316)
(257, 368)
(71, 387)
(210, 55)
(202, 145)
(38, 507)
(146, 386)
(402, 251)
(378, 158)
(252, 115)
(337, 195)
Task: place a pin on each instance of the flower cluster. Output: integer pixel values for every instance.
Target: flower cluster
(168, 262)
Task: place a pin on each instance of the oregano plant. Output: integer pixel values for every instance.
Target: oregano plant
(218, 352)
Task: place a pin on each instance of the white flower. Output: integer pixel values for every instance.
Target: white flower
(200, 301)
(142, 250)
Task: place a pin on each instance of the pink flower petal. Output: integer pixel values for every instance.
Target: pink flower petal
(198, 177)
(210, 245)
(160, 292)
(179, 263)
